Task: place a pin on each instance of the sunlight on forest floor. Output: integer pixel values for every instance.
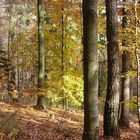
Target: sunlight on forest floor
(31, 124)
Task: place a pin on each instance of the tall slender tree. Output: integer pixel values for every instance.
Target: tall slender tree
(8, 45)
(62, 51)
(112, 97)
(137, 62)
(41, 52)
(91, 123)
(125, 95)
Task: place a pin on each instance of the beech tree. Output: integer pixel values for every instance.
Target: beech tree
(91, 123)
(125, 95)
(41, 52)
(113, 86)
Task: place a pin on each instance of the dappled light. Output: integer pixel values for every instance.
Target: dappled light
(69, 70)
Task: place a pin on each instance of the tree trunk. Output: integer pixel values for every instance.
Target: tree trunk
(8, 68)
(41, 51)
(111, 112)
(41, 101)
(125, 95)
(62, 58)
(138, 64)
(8, 48)
(91, 121)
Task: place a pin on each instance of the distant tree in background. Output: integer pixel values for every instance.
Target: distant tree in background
(125, 95)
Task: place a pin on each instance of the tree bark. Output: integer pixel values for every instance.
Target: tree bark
(41, 51)
(125, 95)
(100, 81)
(111, 112)
(62, 58)
(138, 64)
(91, 121)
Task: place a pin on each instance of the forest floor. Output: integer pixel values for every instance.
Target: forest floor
(19, 122)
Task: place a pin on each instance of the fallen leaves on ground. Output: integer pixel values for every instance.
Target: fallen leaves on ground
(32, 124)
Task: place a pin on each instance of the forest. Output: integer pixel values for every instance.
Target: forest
(69, 70)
